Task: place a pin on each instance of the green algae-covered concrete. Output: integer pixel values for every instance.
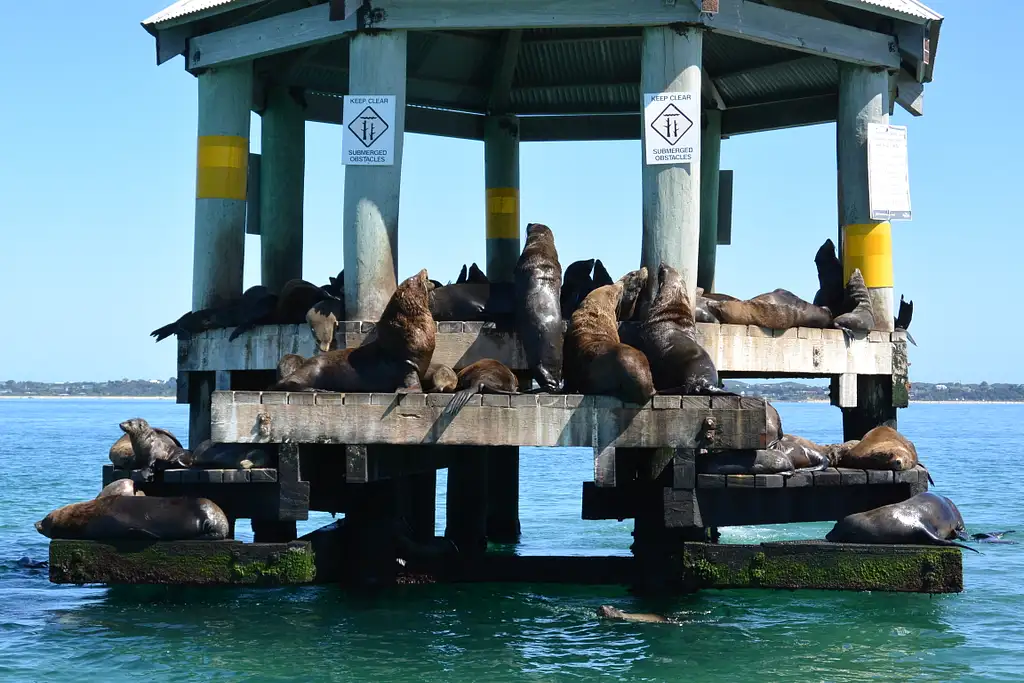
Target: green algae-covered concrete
(825, 566)
(202, 563)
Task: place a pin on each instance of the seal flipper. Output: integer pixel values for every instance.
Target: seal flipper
(461, 398)
(941, 541)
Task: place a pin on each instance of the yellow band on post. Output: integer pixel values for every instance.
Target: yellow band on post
(868, 247)
(221, 165)
(503, 212)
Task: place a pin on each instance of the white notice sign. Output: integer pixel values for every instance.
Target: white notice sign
(368, 133)
(671, 128)
(888, 173)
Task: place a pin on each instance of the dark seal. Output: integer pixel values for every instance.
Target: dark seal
(538, 316)
(596, 361)
(679, 363)
(925, 519)
(576, 284)
(859, 316)
(289, 363)
(153, 449)
(779, 309)
(137, 517)
(903, 317)
(475, 302)
(228, 314)
(393, 359)
(830, 278)
(485, 376)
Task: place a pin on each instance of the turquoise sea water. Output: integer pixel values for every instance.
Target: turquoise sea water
(51, 453)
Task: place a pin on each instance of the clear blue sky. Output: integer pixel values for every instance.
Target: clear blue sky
(97, 181)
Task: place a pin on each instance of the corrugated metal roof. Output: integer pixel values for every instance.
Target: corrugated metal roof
(183, 8)
(801, 77)
(902, 8)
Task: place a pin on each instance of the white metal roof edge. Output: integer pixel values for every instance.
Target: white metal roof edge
(917, 13)
(184, 11)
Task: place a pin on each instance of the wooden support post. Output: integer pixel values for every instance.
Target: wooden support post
(466, 502)
(671, 62)
(370, 524)
(377, 66)
(501, 176)
(503, 494)
(419, 499)
(225, 101)
(282, 166)
(200, 393)
(710, 160)
(864, 243)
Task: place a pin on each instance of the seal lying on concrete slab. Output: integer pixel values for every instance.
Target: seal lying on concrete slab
(122, 455)
(393, 359)
(228, 314)
(137, 517)
(121, 487)
(924, 519)
(538, 313)
(786, 455)
(609, 612)
(485, 376)
(882, 448)
(439, 379)
(153, 449)
(779, 309)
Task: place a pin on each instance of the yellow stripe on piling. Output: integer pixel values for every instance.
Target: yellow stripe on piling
(502, 213)
(869, 247)
(221, 165)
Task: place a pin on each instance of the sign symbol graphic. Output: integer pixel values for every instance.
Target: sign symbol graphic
(368, 126)
(671, 124)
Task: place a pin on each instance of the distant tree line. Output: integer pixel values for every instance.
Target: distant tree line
(778, 391)
(120, 387)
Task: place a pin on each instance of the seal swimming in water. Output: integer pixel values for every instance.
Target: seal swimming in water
(137, 517)
(779, 309)
(153, 448)
(439, 379)
(679, 364)
(538, 315)
(859, 316)
(926, 519)
(120, 487)
(596, 361)
(393, 359)
(485, 376)
(830, 278)
(609, 612)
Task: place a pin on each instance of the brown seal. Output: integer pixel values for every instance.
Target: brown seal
(439, 379)
(538, 315)
(779, 309)
(924, 519)
(859, 317)
(679, 363)
(323, 319)
(830, 278)
(137, 517)
(153, 449)
(120, 487)
(596, 361)
(882, 448)
(485, 376)
(609, 612)
(393, 359)
(289, 363)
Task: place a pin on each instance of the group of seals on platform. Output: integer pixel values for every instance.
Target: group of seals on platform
(121, 512)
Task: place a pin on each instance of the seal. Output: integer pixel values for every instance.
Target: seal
(476, 275)
(803, 454)
(596, 361)
(902, 319)
(137, 517)
(994, 537)
(779, 309)
(601, 276)
(296, 298)
(258, 310)
(439, 379)
(925, 519)
(120, 487)
(289, 363)
(485, 376)
(701, 314)
(336, 285)
(679, 363)
(122, 455)
(230, 314)
(609, 612)
(830, 278)
(859, 317)
(153, 449)
(538, 315)
(230, 456)
(882, 448)
(461, 279)
(786, 455)
(392, 359)
(576, 284)
(474, 301)
(323, 319)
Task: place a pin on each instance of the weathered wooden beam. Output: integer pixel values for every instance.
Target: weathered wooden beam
(802, 111)
(824, 566)
(501, 84)
(737, 350)
(710, 161)
(489, 420)
(710, 90)
(282, 169)
(909, 93)
(736, 18)
(200, 563)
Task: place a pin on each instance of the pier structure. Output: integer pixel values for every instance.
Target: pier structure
(506, 73)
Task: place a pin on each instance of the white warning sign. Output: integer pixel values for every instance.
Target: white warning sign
(368, 133)
(671, 128)
(888, 173)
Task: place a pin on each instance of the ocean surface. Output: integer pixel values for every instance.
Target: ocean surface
(51, 452)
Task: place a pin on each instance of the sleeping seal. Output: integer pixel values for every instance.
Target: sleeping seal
(925, 519)
(138, 517)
